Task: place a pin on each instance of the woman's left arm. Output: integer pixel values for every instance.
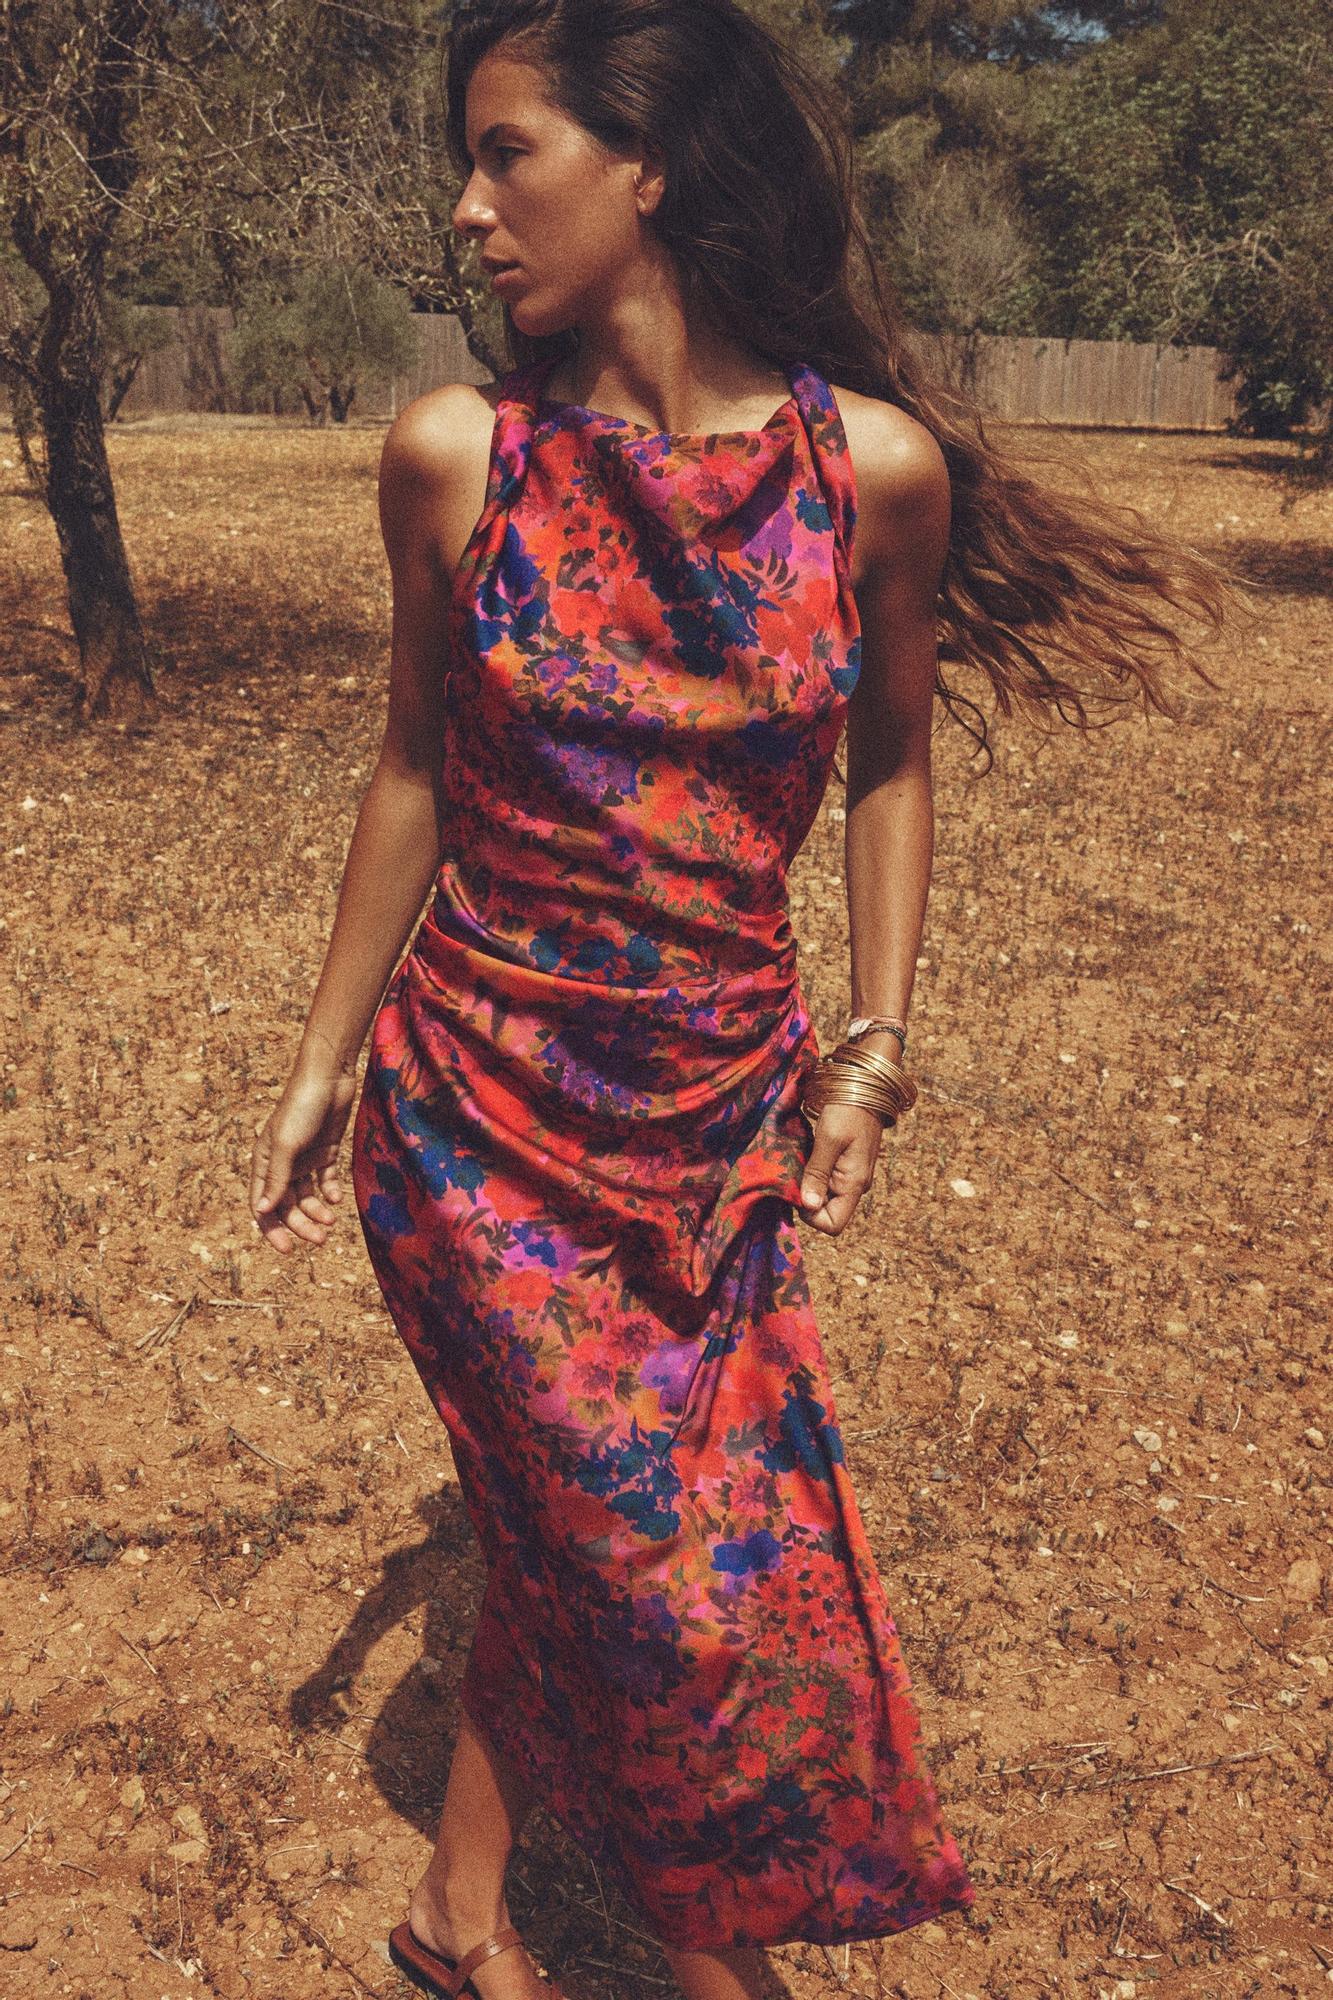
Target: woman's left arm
(902, 541)
(901, 546)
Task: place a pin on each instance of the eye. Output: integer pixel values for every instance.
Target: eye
(500, 151)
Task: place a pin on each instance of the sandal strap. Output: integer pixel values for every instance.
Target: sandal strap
(500, 1940)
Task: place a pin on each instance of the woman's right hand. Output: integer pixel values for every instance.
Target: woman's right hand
(294, 1171)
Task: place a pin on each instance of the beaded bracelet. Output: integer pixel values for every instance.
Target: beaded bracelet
(865, 1022)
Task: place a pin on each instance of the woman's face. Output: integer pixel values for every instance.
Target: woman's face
(547, 197)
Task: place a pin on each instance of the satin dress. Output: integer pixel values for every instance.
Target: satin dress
(577, 1158)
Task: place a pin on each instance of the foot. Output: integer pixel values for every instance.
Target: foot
(453, 1926)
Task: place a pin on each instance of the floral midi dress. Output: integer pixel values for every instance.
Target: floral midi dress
(576, 1161)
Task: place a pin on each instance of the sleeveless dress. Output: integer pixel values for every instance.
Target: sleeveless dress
(576, 1161)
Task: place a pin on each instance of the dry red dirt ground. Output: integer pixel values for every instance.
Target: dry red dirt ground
(1079, 1342)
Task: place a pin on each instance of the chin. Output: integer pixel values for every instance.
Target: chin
(535, 321)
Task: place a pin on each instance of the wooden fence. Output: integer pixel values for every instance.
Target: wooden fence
(1105, 383)
(1118, 384)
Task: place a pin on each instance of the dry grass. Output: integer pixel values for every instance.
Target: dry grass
(1083, 1403)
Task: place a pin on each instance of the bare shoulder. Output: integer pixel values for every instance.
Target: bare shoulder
(431, 433)
(891, 451)
(433, 470)
(902, 483)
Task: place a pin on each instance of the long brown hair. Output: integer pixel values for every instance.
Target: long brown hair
(760, 215)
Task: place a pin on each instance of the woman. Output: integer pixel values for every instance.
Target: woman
(638, 590)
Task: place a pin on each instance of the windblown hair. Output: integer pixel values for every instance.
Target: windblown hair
(760, 215)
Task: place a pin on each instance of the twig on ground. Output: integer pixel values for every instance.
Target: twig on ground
(841, 1977)
(1127, 1777)
(1178, 1889)
(309, 1932)
(1178, 1770)
(156, 1334)
(1096, 1199)
(601, 1897)
(34, 1826)
(268, 1460)
(127, 1641)
(1234, 1595)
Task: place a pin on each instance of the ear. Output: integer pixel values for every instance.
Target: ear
(650, 181)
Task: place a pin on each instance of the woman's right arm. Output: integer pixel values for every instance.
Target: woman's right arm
(431, 490)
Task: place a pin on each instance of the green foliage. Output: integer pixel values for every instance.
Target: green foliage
(938, 92)
(1178, 187)
(321, 334)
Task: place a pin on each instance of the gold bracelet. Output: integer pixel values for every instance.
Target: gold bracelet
(854, 1090)
(849, 1056)
(871, 1065)
(848, 1052)
(861, 1077)
(843, 1075)
(867, 1092)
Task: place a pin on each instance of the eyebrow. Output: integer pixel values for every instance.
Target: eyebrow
(500, 125)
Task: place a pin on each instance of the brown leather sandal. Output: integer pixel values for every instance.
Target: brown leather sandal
(448, 1977)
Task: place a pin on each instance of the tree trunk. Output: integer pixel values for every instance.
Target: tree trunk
(121, 384)
(113, 653)
(27, 424)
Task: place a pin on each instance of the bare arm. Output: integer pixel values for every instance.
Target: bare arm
(902, 539)
(397, 841)
(890, 833)
(396, 844)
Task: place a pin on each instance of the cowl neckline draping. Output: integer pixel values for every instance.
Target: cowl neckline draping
(717, 486)
(555, 407)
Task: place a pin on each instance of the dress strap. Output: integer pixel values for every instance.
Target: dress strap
(515, 417)
(511, 449)
(833, 460)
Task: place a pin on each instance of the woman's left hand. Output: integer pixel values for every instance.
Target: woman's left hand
(841, 1165)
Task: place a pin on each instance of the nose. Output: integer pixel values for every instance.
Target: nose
(471, 212)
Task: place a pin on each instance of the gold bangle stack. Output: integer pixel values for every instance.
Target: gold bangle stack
(853, 1075)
